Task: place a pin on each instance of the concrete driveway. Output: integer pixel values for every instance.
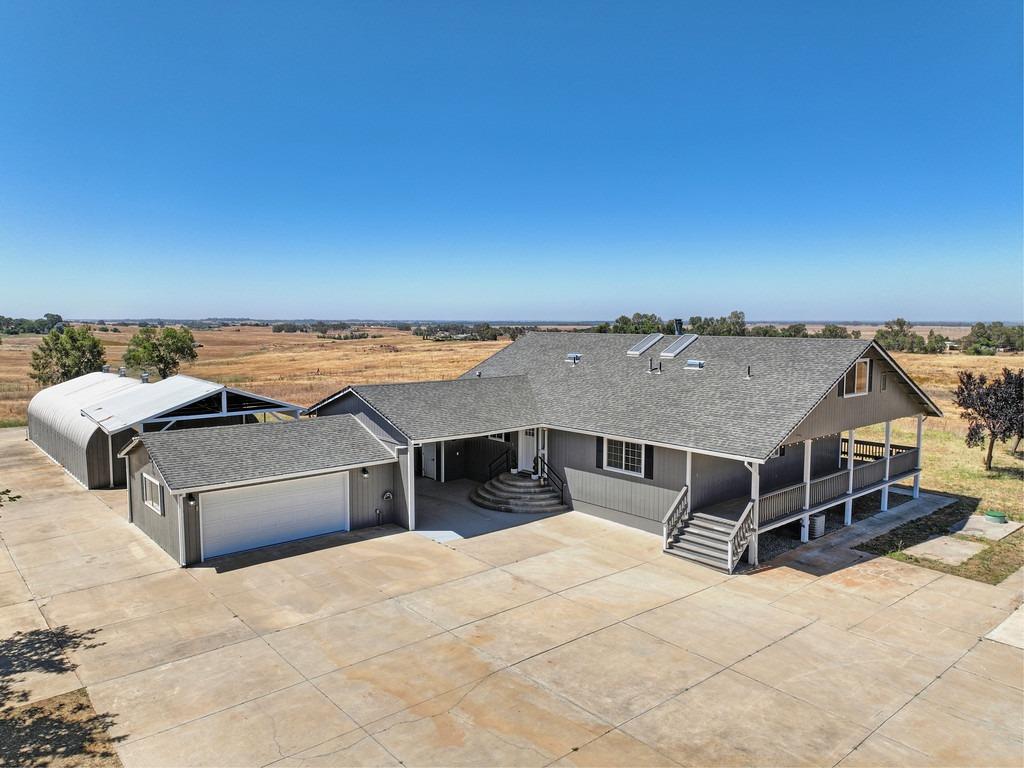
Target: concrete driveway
(568, 641)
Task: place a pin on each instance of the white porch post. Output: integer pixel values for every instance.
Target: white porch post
(755, 494)
(689, 471)
(805, 521)
(411, 501)
(917, 476)
(888, 444)
(850, 450)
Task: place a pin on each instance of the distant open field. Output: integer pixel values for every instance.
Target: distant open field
(868, 331)
(296, 367)
(300, 368)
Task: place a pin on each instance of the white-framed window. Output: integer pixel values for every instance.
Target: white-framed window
(624, 456)
(151, 495)
(529, 432)
(858, 379)
(500, 437)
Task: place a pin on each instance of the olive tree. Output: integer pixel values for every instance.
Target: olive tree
(162, 350)
(64, 353)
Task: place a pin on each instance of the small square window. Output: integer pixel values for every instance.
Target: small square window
(499, 436)
(152, 495)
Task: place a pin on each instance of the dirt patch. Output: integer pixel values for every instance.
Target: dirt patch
(60, 731)
(992, 565)
(781, 540)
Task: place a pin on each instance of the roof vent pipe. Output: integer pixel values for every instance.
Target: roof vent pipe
(679, 326)
(122, 371)
(105, 368)
(748, 372)
(144, 377)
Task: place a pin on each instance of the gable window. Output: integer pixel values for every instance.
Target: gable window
(151, 495)
(624, 456)
(858, 379)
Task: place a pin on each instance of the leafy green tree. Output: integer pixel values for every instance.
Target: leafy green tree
(796, 330)
(734, 324)
(986, 338)
(162, 351)
(992, 409)
(764, 330)
(640, 322)
(64, 353)
(833, 331)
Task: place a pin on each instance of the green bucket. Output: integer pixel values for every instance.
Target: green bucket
(996, 516)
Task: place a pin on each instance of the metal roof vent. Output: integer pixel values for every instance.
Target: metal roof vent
(105, 369)
(122, 371)
(748, 376)
(144, 377)
(695, 365)
(574, 358)
(652, 369)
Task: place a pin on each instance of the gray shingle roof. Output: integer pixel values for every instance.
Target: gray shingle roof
(197, 458)
(714, 409)
(436, 409)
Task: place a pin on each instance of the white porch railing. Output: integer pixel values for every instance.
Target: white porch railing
(677, 513)
(740, 536)
(780, 503)
(903, 462)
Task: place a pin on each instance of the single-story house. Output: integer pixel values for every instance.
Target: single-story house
(708, 441)
(84, 422)
(201, 493)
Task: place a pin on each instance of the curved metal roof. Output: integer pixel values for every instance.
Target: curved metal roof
(60, 406)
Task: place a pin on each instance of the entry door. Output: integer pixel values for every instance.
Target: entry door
(259, 515)
(527, 449)
(430, 460)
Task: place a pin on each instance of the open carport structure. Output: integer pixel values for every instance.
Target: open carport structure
(84, 422)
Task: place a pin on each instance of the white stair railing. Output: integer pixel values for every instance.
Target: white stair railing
(678, 512)
(740, 537)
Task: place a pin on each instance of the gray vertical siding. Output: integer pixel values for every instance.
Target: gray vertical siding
(479, 452)
(371, 419)
(163, 529)
(836, 414)
(454, 460)
(638, 501)
(403, 488)
(193, 538)
(366, 495)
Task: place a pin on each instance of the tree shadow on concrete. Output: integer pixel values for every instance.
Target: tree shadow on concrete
(62, 729)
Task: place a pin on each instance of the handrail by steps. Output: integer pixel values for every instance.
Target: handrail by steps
(740, 536)
(502, 463)
(546, 471)
(677, 512)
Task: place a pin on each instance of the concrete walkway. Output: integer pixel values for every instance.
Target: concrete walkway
(563, 641)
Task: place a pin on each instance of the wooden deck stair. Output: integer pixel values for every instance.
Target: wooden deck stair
(704, 539)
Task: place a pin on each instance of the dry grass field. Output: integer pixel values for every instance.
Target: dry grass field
(301, 368)
(296, 367)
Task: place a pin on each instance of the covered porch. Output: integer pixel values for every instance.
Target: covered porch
(863, 467)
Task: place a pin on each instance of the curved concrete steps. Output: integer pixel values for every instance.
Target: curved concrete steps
(515, 493)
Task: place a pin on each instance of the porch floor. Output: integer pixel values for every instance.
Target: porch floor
(731, 509)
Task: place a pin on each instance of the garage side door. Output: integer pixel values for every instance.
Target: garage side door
(259, 515)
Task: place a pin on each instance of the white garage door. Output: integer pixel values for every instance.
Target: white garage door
(260, 515)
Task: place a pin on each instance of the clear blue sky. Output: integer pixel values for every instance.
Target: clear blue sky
(556, 160)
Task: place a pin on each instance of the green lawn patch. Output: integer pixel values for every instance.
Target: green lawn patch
(992, 565)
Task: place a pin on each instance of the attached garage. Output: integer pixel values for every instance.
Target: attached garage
(237, 519)
(204, 493)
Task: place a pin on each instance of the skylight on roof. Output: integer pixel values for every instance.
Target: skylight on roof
(677, 346)
(644, 344)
